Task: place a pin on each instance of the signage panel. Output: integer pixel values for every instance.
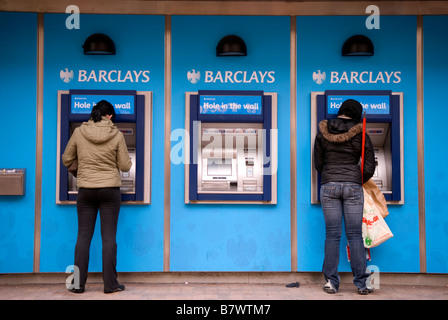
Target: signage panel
(372, 104)
(83, 103)
(231, 105)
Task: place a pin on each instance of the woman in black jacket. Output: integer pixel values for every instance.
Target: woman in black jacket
(337, 153)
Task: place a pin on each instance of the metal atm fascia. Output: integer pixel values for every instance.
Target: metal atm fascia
(244, 192)
(230, 160)
(383, 174)
(141, 193)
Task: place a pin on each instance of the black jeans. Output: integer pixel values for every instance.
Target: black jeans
(107, 201)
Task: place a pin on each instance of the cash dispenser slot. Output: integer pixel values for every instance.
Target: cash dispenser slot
(379, 134)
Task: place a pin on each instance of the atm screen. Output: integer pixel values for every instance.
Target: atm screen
(219, 167)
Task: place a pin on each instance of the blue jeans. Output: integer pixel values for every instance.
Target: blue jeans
(343, 199)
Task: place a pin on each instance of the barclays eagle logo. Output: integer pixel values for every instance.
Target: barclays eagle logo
(66, 75)
(193, 76)
(319, 77)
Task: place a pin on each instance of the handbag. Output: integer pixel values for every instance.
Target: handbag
(374, 228)
(73, 168)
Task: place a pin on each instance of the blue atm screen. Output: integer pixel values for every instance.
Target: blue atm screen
(372, 104)
(230, 105)
(83, 103)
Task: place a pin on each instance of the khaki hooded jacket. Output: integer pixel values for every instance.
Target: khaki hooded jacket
(101, 151)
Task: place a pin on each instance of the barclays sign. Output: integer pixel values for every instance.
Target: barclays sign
(227, 76)
(356, 77)
(134, 76)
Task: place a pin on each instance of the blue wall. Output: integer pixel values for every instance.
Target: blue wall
(231, 237)
(139, 43)
(435, 84)
(216, 237)
(18, 33)
(395, 50)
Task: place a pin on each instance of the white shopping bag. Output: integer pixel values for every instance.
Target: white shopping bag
(374, 229)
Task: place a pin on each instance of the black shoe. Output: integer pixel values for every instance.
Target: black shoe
(80, 290)
(117, 289)
(365, 291)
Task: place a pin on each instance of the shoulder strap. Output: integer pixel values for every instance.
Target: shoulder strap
(363, 146)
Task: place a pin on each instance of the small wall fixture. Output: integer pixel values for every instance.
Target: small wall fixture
(357, 45)
(99, 43)
(231, 45)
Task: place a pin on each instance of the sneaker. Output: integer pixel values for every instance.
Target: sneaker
(328, 288)
(365, 291)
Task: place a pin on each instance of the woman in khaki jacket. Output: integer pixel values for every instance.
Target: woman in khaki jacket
(101, 152)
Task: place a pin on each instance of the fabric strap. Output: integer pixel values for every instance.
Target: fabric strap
(363, 146)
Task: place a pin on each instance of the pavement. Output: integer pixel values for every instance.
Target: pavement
(307, 290)
(223, 296)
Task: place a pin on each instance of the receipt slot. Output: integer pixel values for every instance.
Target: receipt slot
(384, 124)
(232, 147)
(133, 118)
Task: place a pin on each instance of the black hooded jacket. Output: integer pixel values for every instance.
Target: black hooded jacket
(337, 152)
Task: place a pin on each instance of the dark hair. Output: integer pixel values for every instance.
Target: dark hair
(102, 108)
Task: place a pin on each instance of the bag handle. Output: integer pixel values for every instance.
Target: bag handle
(363, 145)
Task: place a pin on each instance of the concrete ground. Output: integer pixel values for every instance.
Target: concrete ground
(219, 291)
(222, 286)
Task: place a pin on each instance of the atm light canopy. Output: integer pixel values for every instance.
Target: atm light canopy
(357, 45)
(99, 44)
(231, 45)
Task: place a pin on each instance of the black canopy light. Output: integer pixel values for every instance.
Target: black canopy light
(99, 44)
(357, 45)
(231, 45)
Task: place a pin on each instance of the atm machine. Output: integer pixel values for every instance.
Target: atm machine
(232, 148)
(383, 110)
(133, 119)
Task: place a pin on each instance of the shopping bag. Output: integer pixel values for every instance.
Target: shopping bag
(377, 196)
(374, 229)
(73, 168)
